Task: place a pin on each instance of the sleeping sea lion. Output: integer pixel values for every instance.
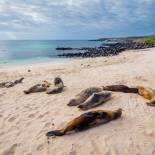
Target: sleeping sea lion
(120, 88)
(83, 96)
(95, 100)
(38, 88)
(147, 93)
(87, 120)
(11, 84)
(58, 83)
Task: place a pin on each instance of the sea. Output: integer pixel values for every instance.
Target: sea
(17, 52)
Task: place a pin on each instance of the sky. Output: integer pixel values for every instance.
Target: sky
(75, 19)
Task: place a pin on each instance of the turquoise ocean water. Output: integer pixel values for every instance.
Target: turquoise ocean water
(27, 52)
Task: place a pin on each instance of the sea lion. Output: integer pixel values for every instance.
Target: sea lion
(95, 100)
(83, 96)
(11, 84)
(18, 81)
(147, 93)
(87, 120)
(120, 88)
(38, 88)
(58, 83)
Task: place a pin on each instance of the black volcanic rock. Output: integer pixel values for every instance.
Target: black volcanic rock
(64, 48)
(108, 49)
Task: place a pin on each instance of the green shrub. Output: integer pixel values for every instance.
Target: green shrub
(150, 40)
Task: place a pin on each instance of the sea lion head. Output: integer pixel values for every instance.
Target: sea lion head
(82, 107)
(57, 81)
(95, 100)
(140, 90)
(46, 84)
(117, 113)
(22, 78)
(72, 102)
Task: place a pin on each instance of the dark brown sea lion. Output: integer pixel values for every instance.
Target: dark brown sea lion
(120, 88)
(147, 93)
(87, 120)
(11, 84)
(83, 96)
(95, 100)
(58, 86)
(38, 88)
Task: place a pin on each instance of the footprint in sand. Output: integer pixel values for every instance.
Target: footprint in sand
(10, 150)
(40, 147)
(47, 124)
(73, 151)
(31, 115)
(43, 115)
(11, 119)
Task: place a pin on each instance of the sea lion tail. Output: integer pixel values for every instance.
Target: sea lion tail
(55, 133)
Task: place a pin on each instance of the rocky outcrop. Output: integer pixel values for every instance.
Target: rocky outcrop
(108, 49)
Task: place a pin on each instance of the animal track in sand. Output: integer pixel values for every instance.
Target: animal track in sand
(141, 78)
(43, 115)
(11, 119)
(32, 115)
(96, 148)
(40, 147)
(73, 150)
(47, 124)
(10, 150)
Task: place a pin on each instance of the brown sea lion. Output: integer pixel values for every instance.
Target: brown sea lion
(147, 93)
(58, 86)
(38, 88)
(95, 100)
(87, 120)
(11, 84)
(120, 88)
(83, 96)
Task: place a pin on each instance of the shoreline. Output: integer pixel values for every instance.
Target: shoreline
(63, 61)
(25, 119)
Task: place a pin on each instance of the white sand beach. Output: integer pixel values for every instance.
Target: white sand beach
(25, 119)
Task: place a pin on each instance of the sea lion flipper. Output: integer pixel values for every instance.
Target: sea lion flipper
(55, 133)
(151, 103)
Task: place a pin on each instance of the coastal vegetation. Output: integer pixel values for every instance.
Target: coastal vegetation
(150, 40)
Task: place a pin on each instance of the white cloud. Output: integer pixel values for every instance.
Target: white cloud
(56, 15)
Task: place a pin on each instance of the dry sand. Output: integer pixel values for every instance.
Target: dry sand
(24, 119)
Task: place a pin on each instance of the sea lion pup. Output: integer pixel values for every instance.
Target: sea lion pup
(86, 121)
(11, 84)
(95, 100)
(38, 88)
(58, 83)
(147, 93)
(120, 88)
(83, 96)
